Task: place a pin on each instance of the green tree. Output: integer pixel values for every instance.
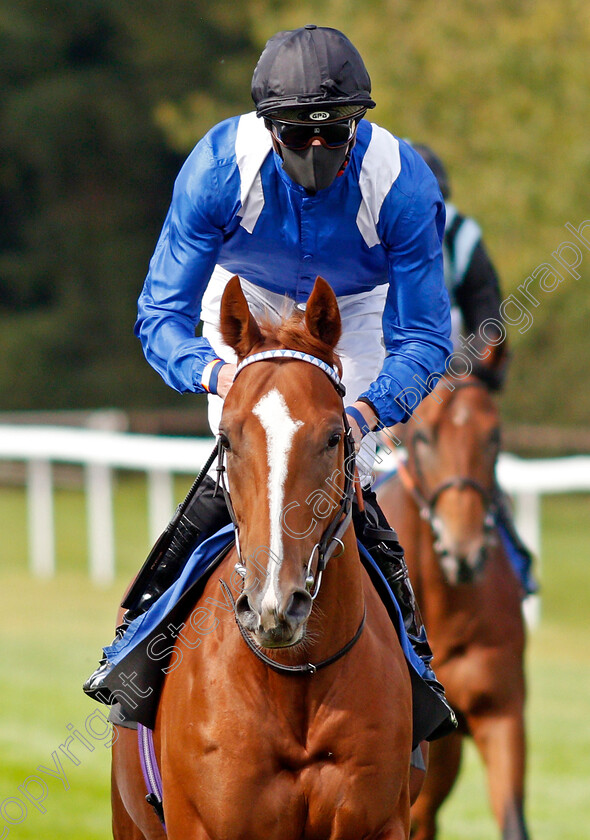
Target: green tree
(89, 96)
(100, 101)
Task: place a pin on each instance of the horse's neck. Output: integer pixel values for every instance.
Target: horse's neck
(340, 603)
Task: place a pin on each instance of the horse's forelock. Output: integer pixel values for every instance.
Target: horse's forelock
(290, 332)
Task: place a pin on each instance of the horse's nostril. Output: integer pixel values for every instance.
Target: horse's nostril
(246, 614)
(299, 607)
(482, 556)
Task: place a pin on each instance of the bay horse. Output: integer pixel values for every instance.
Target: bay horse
(293, 719)
(441, 502)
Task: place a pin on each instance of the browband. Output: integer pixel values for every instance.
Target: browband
(299, 356)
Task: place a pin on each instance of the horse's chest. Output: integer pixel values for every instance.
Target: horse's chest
(283, 795)
(271, 774)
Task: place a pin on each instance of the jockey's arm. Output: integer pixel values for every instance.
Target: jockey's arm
(479, 299)
(179, 271)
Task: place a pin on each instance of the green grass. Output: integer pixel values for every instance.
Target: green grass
(51, 633)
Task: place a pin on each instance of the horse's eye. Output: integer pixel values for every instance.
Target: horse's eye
(421, 437)
(224, 441)
(496, 437)
(334, 439)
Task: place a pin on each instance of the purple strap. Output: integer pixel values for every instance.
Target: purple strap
(150, 769)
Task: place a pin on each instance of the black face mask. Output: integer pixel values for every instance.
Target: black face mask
(314, 168)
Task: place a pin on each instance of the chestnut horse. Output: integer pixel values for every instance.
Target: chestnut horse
(251, 740)
(441, 502)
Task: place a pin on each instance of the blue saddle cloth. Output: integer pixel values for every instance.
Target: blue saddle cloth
(140, 659)
(519, 556)
(202, 561)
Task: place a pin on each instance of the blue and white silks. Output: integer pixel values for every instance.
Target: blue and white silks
(380, 223)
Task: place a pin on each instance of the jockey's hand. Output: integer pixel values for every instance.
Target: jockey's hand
(226, 377)
(369, 417)
(362, 420)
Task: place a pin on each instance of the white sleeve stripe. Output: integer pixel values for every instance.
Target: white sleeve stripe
(253, 143)
(466, 239)
(381, 167)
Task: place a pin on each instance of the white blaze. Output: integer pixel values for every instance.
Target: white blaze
(273, 413)
(461, 416)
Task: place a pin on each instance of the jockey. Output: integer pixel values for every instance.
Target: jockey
(474, 291)
(470, 277)
(304, 186)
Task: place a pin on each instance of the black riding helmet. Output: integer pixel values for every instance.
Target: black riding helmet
(310, 66)
(311, 77)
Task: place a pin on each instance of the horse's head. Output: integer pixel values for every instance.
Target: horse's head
(452, 453)
(283, 431)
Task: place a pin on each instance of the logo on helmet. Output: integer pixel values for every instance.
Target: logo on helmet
(319, 115)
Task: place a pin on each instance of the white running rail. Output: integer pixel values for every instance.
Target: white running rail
(100, 452)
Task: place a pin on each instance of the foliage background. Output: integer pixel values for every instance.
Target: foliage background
(100, 101)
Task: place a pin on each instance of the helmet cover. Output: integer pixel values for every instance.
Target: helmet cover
(310, 67)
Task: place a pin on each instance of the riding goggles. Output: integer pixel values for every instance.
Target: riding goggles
(299, 136)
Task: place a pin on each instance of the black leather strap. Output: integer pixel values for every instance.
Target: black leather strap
(306, 668)
(162, 544)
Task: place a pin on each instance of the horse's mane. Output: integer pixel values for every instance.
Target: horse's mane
(291, 333)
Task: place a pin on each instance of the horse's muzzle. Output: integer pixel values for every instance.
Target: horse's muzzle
(274, 627)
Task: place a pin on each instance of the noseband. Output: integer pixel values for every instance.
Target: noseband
(331, 539)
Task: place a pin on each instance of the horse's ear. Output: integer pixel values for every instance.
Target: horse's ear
(322, 316)
(237, 325)
(493, 367)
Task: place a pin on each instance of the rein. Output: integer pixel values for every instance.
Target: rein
(331, 539)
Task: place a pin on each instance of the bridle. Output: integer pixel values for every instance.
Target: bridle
(427, 501)
(331, 539)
